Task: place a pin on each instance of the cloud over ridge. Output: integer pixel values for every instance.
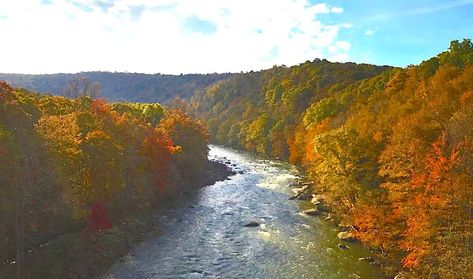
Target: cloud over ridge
(168, 36)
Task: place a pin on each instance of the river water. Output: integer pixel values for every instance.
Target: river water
(203, 235)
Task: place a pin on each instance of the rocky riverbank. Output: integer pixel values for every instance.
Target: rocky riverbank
(217, 171)
(315, 203)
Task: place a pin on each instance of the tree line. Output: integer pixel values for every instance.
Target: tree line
(132, 87)
(83, 164)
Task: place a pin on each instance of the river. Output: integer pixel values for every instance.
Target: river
(203, 235)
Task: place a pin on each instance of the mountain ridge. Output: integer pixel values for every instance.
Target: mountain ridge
(139, 87)
(120, 86)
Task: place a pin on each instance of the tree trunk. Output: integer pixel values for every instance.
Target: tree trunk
(24, 180)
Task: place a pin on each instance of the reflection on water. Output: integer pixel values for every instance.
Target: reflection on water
(203, 235)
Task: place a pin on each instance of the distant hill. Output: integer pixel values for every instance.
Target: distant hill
(121, 86)
(279, 97)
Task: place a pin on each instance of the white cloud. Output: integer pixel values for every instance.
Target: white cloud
(149, 36)
(337, 10)
(343, 45)
(369, 32)
(339, 51)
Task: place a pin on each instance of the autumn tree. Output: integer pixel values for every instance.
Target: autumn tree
(81, 87)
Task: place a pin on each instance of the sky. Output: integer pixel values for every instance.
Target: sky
(206, 36)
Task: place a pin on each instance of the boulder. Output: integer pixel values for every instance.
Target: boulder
(311, 212)
(322, 207)
(302, 193)
(346, 236)
(317, 199)
(344, 227)
(252, 224)
(303, 196)
(304, 188)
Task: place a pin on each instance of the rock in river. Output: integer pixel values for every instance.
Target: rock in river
(311, 212)
(317, 199)
(346, 236)
(342, 246)
(252, 224)
(303, 193)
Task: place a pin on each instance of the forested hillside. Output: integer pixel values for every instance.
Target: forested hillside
(391, 148)
(69, 165)
(131, 87)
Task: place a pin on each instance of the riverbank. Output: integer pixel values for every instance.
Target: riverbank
(87, 254)
(314, 202)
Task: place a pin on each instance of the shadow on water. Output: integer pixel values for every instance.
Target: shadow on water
(203, 232)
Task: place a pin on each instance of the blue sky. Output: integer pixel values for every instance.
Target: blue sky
(190, 36)
(403, 32)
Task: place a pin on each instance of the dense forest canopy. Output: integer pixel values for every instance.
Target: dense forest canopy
(131, 87)
(392, 148)
(69, 165)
